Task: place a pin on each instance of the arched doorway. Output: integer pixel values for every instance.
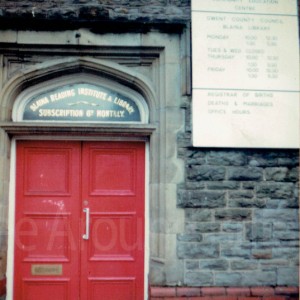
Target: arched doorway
(61, 238)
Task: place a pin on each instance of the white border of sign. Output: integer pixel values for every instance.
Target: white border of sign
(245, 73)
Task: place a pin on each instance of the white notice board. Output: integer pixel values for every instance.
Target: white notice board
(245, 73)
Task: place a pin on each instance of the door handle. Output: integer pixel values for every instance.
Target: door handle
(86, 236)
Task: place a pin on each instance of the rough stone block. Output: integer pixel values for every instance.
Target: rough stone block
(194, 185)
(222, 185)
(197, 250)
(198, 215)
(185, 237)
(228, 279)
(286, 252)
(286, 235)
(227, 158)
(288, 276)
(233, 214)
(293, 175)
(259, 278)
(216, 264)
(244, 265)
(205, 199)
(262, 254)
(278, 215)
(290, 161)
(245, 194)
(192, 265)
(275, 190)
(268, 158)
(198, 278)
(203, 227)
(249, 185)
(286, 226)
(222, 237)
(259, 231)
(276, 174)
(199, 173)
(289, 203)
(232, 227)
(273, 264)
(272, 204)
(243, 174)
(233, 251)
(292, 244)
(247, 203)
(195, 157)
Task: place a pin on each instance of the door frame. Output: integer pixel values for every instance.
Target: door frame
(12, 198)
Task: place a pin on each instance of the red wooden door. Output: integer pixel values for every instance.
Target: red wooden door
(79, 228)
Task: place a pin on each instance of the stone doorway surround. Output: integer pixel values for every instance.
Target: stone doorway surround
(155, 65)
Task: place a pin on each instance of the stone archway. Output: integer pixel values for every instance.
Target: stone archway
(53, 69)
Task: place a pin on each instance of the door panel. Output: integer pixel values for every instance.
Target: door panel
(112, 288)
(114, 192)
(55, 242)
(46, 220)
(107, 165)
(45, 289)
(113, 236)
(50, 172)
(55, 182)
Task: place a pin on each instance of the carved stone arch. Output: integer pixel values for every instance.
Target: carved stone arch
(53, 69)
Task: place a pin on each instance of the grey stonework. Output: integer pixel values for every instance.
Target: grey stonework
(54, 13)
(245, 208)
(234, 221)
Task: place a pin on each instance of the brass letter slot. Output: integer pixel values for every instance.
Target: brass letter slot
(46, 269)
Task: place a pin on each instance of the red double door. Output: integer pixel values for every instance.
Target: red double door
(79, 221)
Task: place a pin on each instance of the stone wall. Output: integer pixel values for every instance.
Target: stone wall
(4, 184)
(240, 205)
(241, 216)
(41, 13)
